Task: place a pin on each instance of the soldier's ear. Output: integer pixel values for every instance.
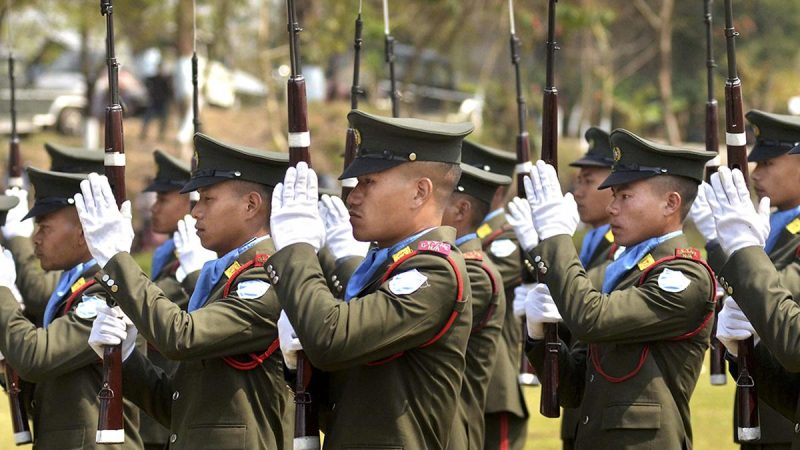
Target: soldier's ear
(255, 202)
(673, 203)
(424, 191)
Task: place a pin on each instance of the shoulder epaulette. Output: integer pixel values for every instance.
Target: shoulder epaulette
(688, 253)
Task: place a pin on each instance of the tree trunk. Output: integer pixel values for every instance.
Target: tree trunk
(665, 71)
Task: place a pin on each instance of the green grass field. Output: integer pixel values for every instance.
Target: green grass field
(711, 420)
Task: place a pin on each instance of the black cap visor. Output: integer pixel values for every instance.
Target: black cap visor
(624, 177)
(47, 205)
(365, 166)
(165, 186)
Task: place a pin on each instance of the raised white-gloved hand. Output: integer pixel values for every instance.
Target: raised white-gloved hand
(108, 230)
(338, 230)
(8, 275)
(290, 344)
(520, 295)
(521, 219)
(15, 226)
(295, 213)
(539, 310)
(553, 212)
(733, 326)
(739, 224)
(191, 253)
(112, 327)
(701, 215)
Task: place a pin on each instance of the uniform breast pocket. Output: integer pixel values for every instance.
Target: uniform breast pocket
(373, 447)
(217, 437)
(632, 416)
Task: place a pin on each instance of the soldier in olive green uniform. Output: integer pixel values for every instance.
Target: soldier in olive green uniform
(648, 328)
(228, 390)
(395, 346)
(506, 415)
(468, 206)
(34, 283)
(598, 246)
(775, 176)
(763, 305)
(56, 357)
(170, 206)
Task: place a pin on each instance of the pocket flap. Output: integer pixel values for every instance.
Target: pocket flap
(642, 416)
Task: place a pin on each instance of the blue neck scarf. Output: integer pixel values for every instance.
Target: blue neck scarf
(161, 255)
(493, 214)
(777, 222)
(68, 278)
(465, 238)
(630, 257)
(591, 241)
(371, 263)
(212, 272)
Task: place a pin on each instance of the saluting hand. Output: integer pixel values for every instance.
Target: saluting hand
(733, 326)
(295, 215)
(701, 215)
(338, 230)
(8, 276)
(108, 230)
(15, 226)
(521, 219)
(553, 212)
(191, 253)
(739, 224)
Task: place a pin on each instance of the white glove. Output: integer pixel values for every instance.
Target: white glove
(295, 214)
(338, 230)
(107, 229)
(520, 217)
(112, 327)
(15, 226)
(739, 224)
(539, 310)
(701, 215)
(520, 295)
(290, 344)
(191, 253)
(733, 326)
(8, 276)
(553, 212)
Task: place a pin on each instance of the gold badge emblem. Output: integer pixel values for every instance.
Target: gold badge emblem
(357, 134)
(617, 154)
(756, 130)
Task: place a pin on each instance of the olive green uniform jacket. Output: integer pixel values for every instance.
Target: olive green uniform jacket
(206, 403)
(67, 373)
(151, 431)
(488, 315)
(411, 401)
(636, 323)
(595, 270)
(774, 313)
(502, 248)
(775, 429)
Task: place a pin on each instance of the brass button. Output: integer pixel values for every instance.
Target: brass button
(585, 421)
(114, 288)
(176, 395)
(173, 438)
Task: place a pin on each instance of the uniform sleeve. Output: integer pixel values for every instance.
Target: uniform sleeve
(148, 387)
(644, 313)
(790, 277)
(38, 354)
(768, 305)
(34, 283)
(174, 291)
(229, 326)
(336, 335)
(571, 369)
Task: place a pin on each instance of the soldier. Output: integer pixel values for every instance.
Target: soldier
(395, 346)
(775, 176)
(56, 357)
(228, 389)
(169, 208)
(506, 415)
(647, 329)
(465, 211)
(764, 307)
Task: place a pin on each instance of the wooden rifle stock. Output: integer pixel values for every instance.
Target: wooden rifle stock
(306, 427)
(549, 405)
(351, 141)
(110, 425)
(748, 428)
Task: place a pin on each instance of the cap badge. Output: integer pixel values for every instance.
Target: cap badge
(617, 154)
